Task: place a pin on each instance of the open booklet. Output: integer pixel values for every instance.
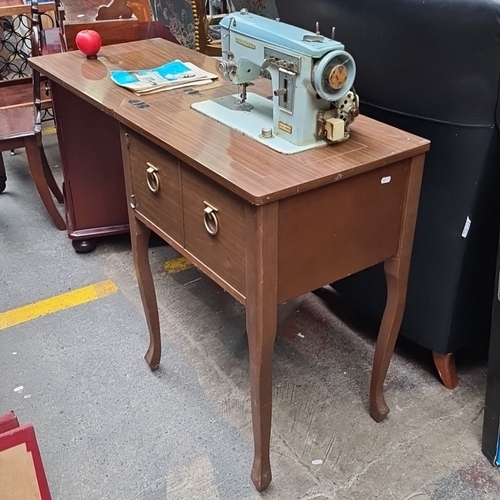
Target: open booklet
(172, 75)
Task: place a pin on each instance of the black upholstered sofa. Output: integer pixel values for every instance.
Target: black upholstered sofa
(432, 68)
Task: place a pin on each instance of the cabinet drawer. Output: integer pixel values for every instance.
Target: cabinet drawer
(209, 208)
(155, 185)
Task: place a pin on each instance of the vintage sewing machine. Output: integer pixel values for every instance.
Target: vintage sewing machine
(313, 99)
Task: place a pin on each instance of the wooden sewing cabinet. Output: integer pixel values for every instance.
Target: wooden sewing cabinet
(266, 227)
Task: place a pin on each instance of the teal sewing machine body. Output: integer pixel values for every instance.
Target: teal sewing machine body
(312, 77)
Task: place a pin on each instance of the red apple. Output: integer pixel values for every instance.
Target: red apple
(89, 42)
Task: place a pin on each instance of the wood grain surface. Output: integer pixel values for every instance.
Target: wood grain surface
(19, 92)
(116, 31)
(93, 191)
(163, 207)
(336, 230)
(84, 11)
(249, 169)
(18, 7)
(223, 252)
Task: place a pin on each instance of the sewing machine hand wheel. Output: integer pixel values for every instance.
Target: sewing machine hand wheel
(333, 75)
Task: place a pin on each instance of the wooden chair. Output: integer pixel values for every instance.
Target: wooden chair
(20, 127)
(22, 475)
(96, 10)
(188, 22)
(117, 22)
(266, 8)
(116, 31)
(141, 10)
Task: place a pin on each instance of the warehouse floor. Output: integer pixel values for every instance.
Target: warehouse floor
(110, 429)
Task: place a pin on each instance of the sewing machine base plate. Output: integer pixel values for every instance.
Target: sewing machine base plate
(250, 123)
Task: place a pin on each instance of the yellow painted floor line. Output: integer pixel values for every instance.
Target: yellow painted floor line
(56, 303)
(177, 265)
(49, 130)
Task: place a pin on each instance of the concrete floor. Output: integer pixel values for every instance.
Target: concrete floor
(110, 429)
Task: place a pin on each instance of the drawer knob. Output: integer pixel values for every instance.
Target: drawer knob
(152, 178)
(210, 219)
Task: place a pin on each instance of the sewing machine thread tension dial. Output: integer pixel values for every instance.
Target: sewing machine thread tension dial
(226, 68)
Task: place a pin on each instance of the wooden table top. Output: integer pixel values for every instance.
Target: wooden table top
(18, 7)
(251, 170)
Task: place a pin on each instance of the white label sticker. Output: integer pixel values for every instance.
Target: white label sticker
(465, 231)
(385, 180)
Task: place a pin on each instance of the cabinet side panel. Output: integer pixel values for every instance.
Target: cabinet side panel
(92, 163)
(329, 233)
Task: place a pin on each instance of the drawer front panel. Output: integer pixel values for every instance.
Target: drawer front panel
(155, 185)
(214, 226)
